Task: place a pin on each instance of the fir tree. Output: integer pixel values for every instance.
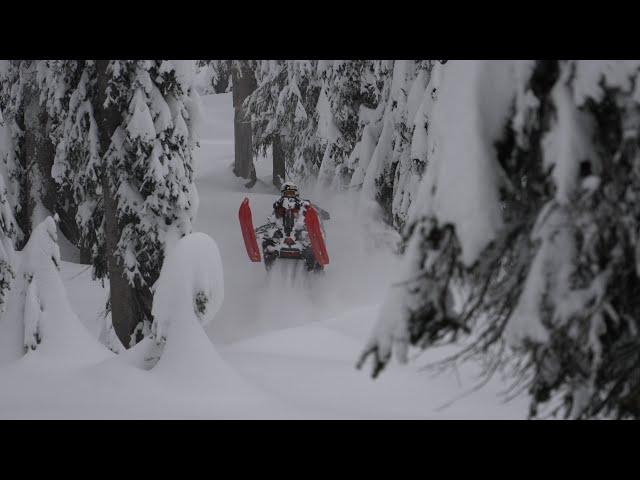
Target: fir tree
(149, 194)
(66, 89)
(547, 287)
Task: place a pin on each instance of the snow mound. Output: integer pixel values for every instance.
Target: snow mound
(190, 284)
(188, 295)
(39, 318)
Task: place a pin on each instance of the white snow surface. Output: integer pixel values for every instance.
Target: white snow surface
(282, 345)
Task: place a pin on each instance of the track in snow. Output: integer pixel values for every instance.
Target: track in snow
(298, 337)
(257, 302)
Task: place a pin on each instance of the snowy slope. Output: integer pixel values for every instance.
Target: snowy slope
(314, 366)
(282, 346)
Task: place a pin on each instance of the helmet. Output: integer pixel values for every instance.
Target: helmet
(289, 189)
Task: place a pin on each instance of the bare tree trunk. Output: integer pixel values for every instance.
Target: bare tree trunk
(244, 82)
(123, 311)
(278, 161)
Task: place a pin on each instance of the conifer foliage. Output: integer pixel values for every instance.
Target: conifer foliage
(123, 168)
(536, 264)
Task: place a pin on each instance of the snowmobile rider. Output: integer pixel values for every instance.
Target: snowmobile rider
(289, 219)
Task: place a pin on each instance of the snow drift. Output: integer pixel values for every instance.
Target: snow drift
(39, 319)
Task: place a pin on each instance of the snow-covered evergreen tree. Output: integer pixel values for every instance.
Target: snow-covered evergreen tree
(349, 90)
(371, 120)
(348, 124)
(28, 148)
(213, 76)
(35, 98)
(12, 142)
(9, 232)
(271, 76)
(67, 87)
(11, 173)
(221, 75)
(393, 144)
(283, 109)
(533, 249)
(243, 84)
(146, 159)
(38, 148)
(149, 167)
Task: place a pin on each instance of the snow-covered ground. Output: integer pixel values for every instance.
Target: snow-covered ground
(282, 345)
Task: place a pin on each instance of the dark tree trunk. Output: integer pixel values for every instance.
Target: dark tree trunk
(244, 82)
(69, 227)
(39, 155)
(278, 161)
(44, 159)
(30, 147)
(123, 311)
(38, 151)
(23, 214)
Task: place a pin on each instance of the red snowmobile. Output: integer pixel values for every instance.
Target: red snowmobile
(293, 232)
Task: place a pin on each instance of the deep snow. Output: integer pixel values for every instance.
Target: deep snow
(282, 345)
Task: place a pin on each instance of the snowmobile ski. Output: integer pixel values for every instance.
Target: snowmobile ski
(248, 233)
(316, 236)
